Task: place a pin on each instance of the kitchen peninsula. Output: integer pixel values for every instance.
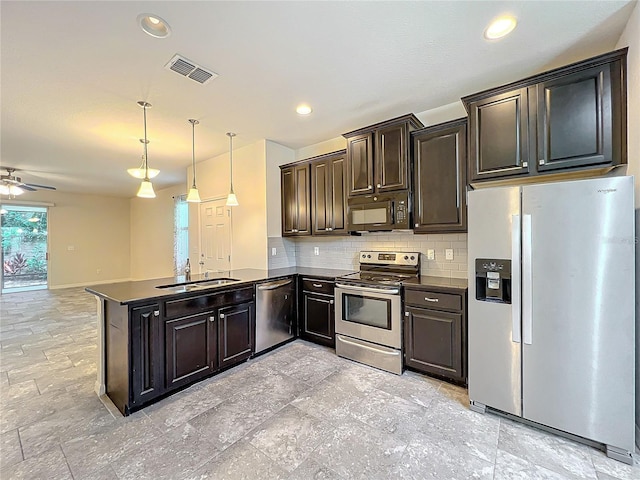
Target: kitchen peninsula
(157, 336)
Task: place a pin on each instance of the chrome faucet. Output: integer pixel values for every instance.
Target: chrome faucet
(187, 271)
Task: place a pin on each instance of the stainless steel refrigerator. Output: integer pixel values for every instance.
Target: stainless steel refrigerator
(551, 307)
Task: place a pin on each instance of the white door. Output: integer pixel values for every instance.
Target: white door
(215, 236)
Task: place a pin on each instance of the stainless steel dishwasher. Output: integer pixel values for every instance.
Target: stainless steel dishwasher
(275, 313)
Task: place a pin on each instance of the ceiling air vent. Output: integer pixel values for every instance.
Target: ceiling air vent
(190, 69)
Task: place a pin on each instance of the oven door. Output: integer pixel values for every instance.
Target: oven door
(369, 313)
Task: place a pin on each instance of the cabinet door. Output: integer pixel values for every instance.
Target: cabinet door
(190, 348)
(236, 333)
(295, 200)
(499, 136)
(360, 164)
(318, 319)
(303, 198)
(146, 354)
(321, 197)
(391, 158)
(433, 342)
(338, 195)
(289, 204)
(440, 164)
(575, 120)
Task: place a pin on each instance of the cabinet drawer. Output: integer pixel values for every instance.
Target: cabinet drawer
(203, 303)
(434, 300)
(317, 286)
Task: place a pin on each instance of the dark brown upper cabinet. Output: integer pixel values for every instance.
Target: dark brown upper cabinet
(378, 156)
(328, 194)
(566, 119)
(296, 211)
(440, 162)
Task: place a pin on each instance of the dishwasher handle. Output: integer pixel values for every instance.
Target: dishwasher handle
(274, 285)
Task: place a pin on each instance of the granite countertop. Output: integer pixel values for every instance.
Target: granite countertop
(144, 290)
(425, 282)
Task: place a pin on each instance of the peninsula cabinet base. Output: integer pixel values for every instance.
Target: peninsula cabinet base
(155, 349)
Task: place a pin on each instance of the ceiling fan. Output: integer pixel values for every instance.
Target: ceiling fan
(12, 185)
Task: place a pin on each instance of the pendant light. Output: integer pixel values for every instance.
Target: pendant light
(139, 172)
(232, 200)
(146, 188)
(193, 195)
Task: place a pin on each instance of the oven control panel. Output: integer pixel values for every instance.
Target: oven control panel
(390, 258)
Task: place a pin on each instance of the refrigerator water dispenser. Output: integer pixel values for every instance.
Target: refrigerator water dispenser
(493, 280)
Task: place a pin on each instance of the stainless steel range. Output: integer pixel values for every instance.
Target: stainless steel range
(369, 309)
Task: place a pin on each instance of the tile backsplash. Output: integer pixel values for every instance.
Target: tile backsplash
(342, 252)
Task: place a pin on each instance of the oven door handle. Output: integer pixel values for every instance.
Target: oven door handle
(366, 347)
(393, 291)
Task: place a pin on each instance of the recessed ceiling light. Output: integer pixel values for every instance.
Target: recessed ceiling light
(303, 109)
(154, 25)
(500, 27)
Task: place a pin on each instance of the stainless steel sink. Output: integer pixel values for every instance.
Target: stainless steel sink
(199, 285)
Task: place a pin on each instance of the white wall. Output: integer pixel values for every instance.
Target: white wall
(152, 225)
(249, 219)
(631, 38)
(87, 234)
(276, 155)
(328, 146)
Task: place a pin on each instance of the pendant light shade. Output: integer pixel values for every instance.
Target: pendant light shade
(146, 188)
(139, 172)
(193, 195)
(232, 200)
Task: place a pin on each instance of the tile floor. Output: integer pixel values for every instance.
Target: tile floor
(298, 413)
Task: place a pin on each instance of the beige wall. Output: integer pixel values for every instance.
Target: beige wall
(152, 223)
(88, 238)
(249, 219)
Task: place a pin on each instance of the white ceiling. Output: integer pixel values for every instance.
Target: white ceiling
(72, 73)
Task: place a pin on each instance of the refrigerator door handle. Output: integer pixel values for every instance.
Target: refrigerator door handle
(516, 333)
(527, 280)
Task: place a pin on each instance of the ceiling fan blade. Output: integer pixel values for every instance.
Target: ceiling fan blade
(26, 187)
(35, 185)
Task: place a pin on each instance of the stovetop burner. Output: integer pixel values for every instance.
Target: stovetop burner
(386, 268)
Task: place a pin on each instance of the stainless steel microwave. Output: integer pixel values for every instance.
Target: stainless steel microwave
(378, 212)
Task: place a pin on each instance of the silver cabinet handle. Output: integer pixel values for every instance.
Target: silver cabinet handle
(527, 280)
(330, 229)
(156, 313)
(516, 332)
(330, 302)
(370, 187)
(434, 300)
(326, 229)
(406, 314)
(212, 319)
(379, 185)
(222, 315)
(417, 225)
(317, 285)
(525, 164)
(540, 162)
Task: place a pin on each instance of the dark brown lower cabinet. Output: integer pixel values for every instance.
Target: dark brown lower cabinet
(236, 333)
(191, 348)
(152, 350)
(146, 354)
(435, 333)
(317, 313)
